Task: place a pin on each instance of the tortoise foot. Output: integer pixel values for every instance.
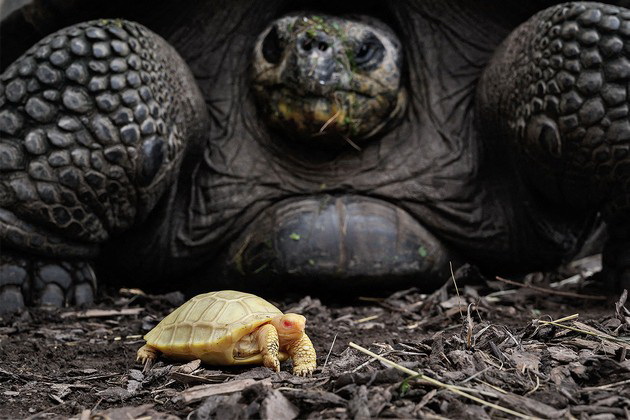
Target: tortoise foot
(272, 362)
(39, 282)
(304, 369)
(147, 354)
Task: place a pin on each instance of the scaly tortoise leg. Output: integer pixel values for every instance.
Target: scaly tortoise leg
(269, 346)
(303, 355)
(94, 122)
(557, 92)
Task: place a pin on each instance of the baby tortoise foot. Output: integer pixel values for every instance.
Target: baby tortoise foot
(42, 282)
(304, 357)
(147, 354)
(271, 362)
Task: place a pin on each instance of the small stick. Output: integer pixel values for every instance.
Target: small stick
(351, 143)
(551, 291)
(489, 385)
(470, 378)
(459, 299)
(594, 334)
(469, 328)
(614, 384)
(439, 384)
(367, 318)
(330, 121)
(567, 318)
(330, 350)
(531, 391)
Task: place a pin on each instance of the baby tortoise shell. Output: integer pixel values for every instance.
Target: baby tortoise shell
(230, 328)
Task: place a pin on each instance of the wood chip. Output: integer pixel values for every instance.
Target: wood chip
(186, 378)
(277, 406)
(562, 354)
(531, 406)
(200, 392)
(103, 313)
(188, 368)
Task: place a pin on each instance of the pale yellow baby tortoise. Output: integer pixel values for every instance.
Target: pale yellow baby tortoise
(232, 328)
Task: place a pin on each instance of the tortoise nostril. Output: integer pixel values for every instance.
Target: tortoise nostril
(306, 44)
(309, 43)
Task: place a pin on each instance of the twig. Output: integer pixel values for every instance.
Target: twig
(351, 143)
(597, 334)
(470, 378)
(496, 388)
(597, 388)
(551, 291)
(439, 384)
(567, 318)
(330, 121)
(330, 350)
(362, 365)
(534, 389)
(469, 328)
(366, 319)
(459, 299)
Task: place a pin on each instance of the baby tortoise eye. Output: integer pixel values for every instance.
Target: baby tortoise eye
(272, 46)
(369, 52)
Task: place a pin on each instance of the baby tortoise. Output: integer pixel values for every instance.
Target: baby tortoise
(232, 328)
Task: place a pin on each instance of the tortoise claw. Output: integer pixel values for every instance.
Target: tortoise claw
(272, 363)
(304, 370)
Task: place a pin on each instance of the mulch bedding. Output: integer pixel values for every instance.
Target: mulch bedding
(476, 348)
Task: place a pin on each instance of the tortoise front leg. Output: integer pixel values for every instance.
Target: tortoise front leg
(303, 355)
(269, 346)
(94, 123)
(557, 92)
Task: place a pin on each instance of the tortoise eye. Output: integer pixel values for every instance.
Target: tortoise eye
(370, 52)
(271, 47)
(287, 324)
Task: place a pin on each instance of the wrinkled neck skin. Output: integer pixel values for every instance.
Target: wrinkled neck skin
(290, 328)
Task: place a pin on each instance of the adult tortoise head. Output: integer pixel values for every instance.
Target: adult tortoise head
(485, 133)
(326, 78)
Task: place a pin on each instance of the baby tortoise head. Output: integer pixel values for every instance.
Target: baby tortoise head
(324, 77)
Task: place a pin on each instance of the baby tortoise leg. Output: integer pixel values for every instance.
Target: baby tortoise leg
(269, 346)
(556, 90)
(303, 355)
(95, 120)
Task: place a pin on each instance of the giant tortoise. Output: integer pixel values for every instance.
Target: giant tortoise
(336, 145)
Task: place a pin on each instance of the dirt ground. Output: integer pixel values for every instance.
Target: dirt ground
(483, 349)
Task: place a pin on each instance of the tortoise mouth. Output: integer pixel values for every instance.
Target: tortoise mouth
(314, 114)
(350, 240)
